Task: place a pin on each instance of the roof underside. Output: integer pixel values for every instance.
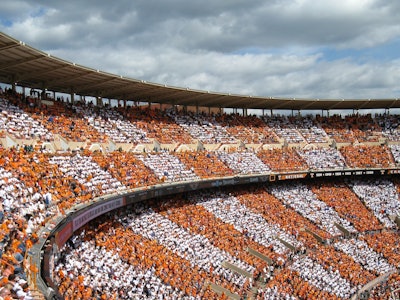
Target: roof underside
(29, 67)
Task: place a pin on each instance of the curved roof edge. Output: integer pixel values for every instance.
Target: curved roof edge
(29, 67)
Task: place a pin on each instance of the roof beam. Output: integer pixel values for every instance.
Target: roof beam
(87, 88)
(364, 103)
(311, 103)
(393, 103)
(210, 102)
(67, 78)
(281, 103)
(117, 91)
(160, 94)
(192, 100)
(15, 63)
(335, 104)
(38, 73)
(9, 46)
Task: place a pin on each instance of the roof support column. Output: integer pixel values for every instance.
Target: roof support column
(99, 101)
(72, 97)
(245, 112)
(13, 84)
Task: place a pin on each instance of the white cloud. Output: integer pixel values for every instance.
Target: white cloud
(267, 48)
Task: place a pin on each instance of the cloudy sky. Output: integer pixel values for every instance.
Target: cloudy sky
(283, 48)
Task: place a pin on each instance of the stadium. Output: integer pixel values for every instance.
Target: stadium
(166, 195)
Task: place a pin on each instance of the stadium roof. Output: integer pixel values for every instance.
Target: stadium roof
(29, 67)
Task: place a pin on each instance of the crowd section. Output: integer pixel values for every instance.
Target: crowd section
(395, 150)
(130, 267)
(293, 285)
(126, 282)
(197, 249)
(167, 167)
(323, 279)
(340, 262)
(389, 289)
(380, 196)
(339, 196)
(389, 125)
(204, 164)
(386, 244)
(127, 168)
(275, 212)
(360, 128)
(110, 122)
(204, 128)
(336, 129)
(66, 121)
(361, 156)
(323, 158)
(197, 220)
(248, 129)
(243, 162)
(175, 248)
(88, 173)
(157, 125)
(282, 160)
(26, 117)
(50, 183)
(21, 125)
(284, 129)
(364, 128)
(310, 130)
(164, 241)
(299, 197)
(231, 211)
(364, 255)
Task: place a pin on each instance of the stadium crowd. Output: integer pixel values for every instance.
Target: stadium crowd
(178, 227)
(318, 245)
